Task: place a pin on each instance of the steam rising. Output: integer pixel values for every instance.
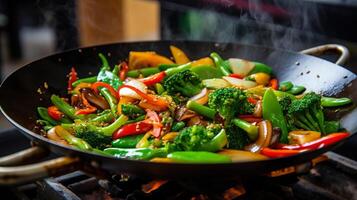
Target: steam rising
(257, 24)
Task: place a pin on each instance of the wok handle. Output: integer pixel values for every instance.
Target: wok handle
(319, 50)
(16, 175)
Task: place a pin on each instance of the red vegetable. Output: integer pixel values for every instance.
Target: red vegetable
(151, 80)
(124, 68)
(54, 113)
(106, 85)
(250, 118)
(252, 100)
(274, 83)
(72, 77)
(133, 129)
(316, 144)
(150, 98)
(236, 76)
(156, 122)
(278, 153)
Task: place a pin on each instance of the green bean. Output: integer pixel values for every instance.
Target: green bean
(333, 102)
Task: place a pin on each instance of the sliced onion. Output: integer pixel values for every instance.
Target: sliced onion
(264, 137)
(52, 135)
(258, 109)
(244, 84)
(242, 156)
(130, 93)
(201, 97)
(240, 66)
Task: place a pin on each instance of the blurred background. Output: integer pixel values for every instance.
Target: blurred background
(30, 29)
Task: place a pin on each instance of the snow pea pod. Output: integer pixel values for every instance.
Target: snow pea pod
(297, 89)
(207, 72)
(273, 112)
(198, 157)
(128, 141)
(333, 102)
(260, 67)
(110, 99)
(42, 112)
(64, 107)
(137, 153)
(285, 86)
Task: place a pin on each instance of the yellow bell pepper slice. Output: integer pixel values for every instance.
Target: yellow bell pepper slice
(179, 56)
(143, 59)
(203, 61)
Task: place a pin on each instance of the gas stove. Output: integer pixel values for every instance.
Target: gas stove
(333, 176)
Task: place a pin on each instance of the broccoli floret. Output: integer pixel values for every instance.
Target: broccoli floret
(187, 83)
(199, 138)
(228, 102)
(96, 136)
(131, 110)
(306, 113)
(246, 108)
(285, 104)
(95, 139)
(237, 138)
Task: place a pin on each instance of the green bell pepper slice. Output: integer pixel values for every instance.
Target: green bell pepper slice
(198, 157)
(261, 67)
(128, 141)
(272, 111)
(285, 86)
(297, 89)
(207, 72)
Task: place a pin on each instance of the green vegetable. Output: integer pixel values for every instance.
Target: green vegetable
(222, 65)
(307, 113)
(106, 76)
(137, 153)
(91, 79)
(207, 72)
(237, 138)
(228, 102)
(185, 82)
(159, 88)
(332, 126)
(198, 157)
(273, 112)
(131, 110)
(128, 141)
(201, 109)
(247, 127)
(260, 67)
(178, 126)
(174, 70)
(164, 67)
(110, 99)
(65, 107)
(333, 102)
(105, 116)
(297, 89)
(285, 86)
(144, 71)
(199, 138)
(42, 112)
(72, 140)
(215, 83)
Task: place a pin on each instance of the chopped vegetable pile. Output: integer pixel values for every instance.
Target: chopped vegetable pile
(208, 110)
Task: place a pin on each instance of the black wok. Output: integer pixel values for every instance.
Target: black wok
(20, 97)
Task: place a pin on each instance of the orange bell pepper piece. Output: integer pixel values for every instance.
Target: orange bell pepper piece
(179, 56)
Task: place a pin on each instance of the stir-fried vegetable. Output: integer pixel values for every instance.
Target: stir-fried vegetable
(208, 110)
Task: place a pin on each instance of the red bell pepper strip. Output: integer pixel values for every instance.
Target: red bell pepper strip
(106, 85)
(150, 98)
(236, 76)
(88, 108)
(133, 129)
(316, 144)
(274, 84)
(156, 122)
(72, 78)
(252, 100)
(250, 118)
(54, 113)
(123, 71)
(156, 78)
(278, 153)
